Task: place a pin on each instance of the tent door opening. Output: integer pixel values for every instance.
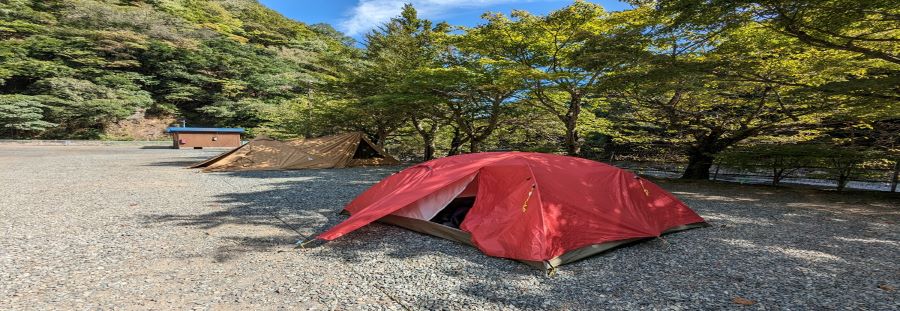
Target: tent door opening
(365, 151)
(448, 206)
(454, 213)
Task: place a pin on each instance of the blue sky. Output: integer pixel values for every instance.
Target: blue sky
(356, 17)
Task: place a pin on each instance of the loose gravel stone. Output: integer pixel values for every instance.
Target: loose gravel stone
(113, 227)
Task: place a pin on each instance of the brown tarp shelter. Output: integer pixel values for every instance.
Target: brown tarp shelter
(342, 150)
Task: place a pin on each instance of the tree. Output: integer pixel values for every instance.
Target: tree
(22, 116)
(712, 93)
(484, 103)
(228, 63)
(394, 53)
(865, 30)
(478, 94)
(547, 48)
(868, 28)
(782, 160)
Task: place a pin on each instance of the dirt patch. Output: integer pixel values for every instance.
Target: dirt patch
(139, 127)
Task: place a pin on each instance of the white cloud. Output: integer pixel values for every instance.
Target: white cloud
(367, 14)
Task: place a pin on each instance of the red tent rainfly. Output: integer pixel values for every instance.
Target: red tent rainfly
(541, 209)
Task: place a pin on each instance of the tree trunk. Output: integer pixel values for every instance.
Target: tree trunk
(896, 177)
(478, 136)
(456, 142)
(777, 176)
(427, 137)
(702, 155)
(844, 169)
(573, 148)
(429, 147)
(380, 137)
(842, 181)
(473, 146)
(699, 163)
(570, 120)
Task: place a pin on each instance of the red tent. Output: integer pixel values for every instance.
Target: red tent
(542, 209)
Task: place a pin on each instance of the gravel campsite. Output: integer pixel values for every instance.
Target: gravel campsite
(109, 227)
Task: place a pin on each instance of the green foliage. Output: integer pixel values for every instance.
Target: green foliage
(384, 87)
(712, 92)
(867, 27)
(22, 116)
(90, 63)
(780, 160)
(864, 32)
(825, 161)
(547, 51)
(699, 76)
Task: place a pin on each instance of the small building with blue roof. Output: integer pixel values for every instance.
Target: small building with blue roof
(199, 137)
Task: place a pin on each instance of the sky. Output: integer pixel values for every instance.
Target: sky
(356, 17)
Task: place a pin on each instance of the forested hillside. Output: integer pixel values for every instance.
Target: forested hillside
(689, 81)
(70, 68)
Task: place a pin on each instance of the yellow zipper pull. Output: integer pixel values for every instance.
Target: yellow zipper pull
(641, 181)
(525, 205)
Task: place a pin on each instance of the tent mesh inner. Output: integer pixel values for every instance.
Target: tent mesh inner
(455, 212)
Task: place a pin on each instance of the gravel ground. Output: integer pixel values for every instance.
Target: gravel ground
(126, 227)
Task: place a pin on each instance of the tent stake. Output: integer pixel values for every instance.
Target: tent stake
(551, 272)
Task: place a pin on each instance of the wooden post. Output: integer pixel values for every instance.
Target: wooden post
(896, 175)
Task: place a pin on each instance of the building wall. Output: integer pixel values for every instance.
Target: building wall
(206, 140)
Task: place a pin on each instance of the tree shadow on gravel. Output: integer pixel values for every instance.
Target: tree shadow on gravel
(177, 163)
(157, 147)
(259, 211)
